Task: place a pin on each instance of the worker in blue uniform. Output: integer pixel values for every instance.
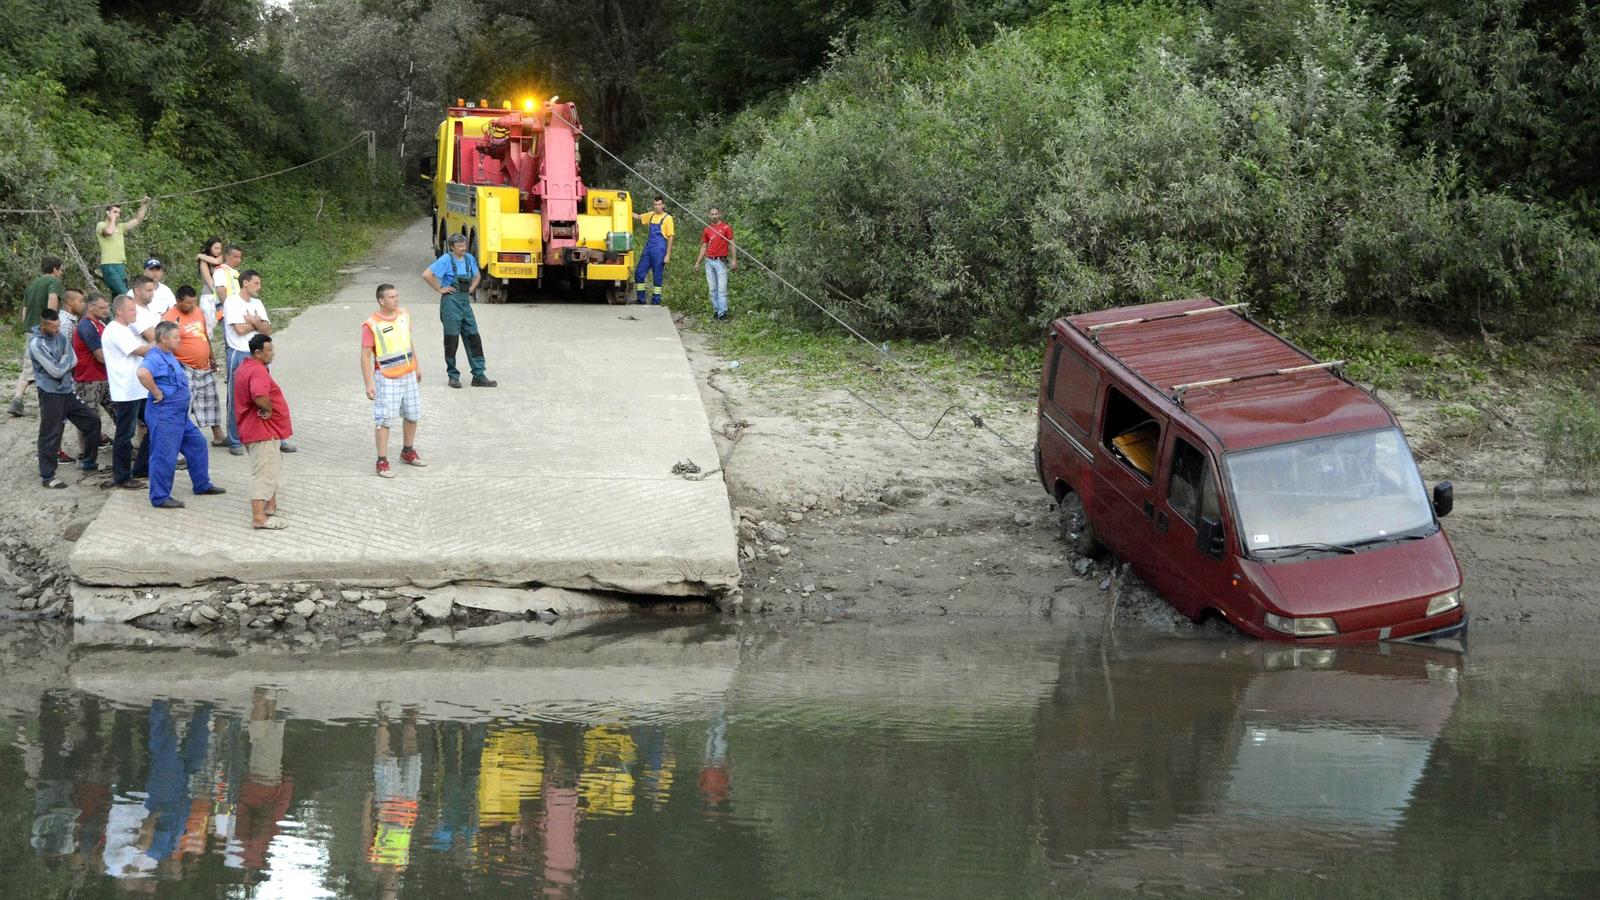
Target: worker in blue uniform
(657, 249)
(167, 416)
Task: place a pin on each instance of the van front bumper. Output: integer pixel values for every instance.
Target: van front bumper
(1457, 631)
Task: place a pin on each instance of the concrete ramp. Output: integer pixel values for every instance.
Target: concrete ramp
(560, 476)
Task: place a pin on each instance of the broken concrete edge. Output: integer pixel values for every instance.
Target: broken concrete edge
(645, 589)
(97, 604)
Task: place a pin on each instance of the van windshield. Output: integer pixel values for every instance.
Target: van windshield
(1340, 490)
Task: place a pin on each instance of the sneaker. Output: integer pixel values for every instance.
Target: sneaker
(53, 483)
(286, 447)
(64, 456)
(383, 469)
(412, 458)
(236, 450)
(89, 466)
(455, 382)
(484, 381)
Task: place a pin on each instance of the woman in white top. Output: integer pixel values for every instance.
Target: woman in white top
(208, 259)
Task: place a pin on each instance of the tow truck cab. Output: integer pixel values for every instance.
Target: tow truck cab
(1240, 477)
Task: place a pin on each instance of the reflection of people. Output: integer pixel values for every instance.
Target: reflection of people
(171, 766)
(54, 816)
(714, 781)
(656, 763)
(396, 785)
(609, 755)
(264, 796)
(459, 751)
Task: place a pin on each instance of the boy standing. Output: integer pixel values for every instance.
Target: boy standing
(264, 426)
(393, 378)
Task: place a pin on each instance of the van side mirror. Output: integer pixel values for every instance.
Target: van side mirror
(1208, 537)
(1444, 498)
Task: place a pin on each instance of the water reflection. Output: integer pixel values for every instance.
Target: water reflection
(841, 762)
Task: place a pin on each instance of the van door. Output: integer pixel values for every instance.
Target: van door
(1067, 414)
(1126, 453)
(1188, 577)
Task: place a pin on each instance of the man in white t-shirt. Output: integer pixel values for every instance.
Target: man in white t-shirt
(124, 350)
(163, 299)
(142, 292)
(243, 317)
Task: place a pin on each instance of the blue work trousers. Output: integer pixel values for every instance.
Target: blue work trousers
(717, 281)
(653, 260)
(172, 432)
(235, 360)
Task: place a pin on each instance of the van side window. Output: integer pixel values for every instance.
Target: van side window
(1132, 435)
(1073, 385)
(1191, 491)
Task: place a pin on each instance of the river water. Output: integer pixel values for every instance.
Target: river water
(697, 759)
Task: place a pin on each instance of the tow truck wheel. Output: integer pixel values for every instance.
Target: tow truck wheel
(1076, 529)
(617, 294)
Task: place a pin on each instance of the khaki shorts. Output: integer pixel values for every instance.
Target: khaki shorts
(266, 461)
(26, 375)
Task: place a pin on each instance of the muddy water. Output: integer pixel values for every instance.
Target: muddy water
(699, 760)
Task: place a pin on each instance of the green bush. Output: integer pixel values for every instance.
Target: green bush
(1569, 437)
(1121, 153)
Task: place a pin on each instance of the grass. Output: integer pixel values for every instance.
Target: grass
(1568, 428)
(1391, 355)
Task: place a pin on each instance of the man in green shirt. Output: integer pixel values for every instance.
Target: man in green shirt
(113, 254)
(42, 293)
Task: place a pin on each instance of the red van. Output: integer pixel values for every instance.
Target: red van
(1242, 478)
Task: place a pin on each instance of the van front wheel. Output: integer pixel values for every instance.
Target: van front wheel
(1076, 529)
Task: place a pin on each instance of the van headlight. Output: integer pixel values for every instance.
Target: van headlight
(1301, 627)
(1444, 603)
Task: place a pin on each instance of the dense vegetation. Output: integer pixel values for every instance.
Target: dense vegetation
(151, 99)
(973, 168)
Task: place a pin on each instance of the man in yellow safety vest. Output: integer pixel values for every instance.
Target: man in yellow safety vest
(389, 367)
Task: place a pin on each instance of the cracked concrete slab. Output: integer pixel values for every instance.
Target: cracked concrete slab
(561, 476)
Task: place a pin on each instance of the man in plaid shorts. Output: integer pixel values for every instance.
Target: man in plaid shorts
(389, 367)
(194, 351)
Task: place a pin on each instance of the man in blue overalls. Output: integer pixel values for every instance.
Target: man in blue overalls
(657, 249)
(171, 429)
(455, 276)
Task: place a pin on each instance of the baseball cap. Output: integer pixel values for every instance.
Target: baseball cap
(153, 263)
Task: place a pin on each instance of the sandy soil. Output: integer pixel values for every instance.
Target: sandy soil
(875, 523)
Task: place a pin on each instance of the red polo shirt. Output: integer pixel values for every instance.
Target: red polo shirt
(717, 239)
(252, 380)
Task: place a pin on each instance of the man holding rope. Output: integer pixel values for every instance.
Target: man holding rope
(113, 252)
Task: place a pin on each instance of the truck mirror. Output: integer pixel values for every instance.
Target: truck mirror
(425, 167)
(1208, 537)
(1444, 498)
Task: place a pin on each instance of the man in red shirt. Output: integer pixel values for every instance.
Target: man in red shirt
(89, 376)
(263, 417)
(721, 255)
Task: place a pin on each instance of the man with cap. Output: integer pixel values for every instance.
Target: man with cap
(455, 275)
(167, 414)
(162, 298)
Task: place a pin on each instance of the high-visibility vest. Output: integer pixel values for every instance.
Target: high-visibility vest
(391, 344)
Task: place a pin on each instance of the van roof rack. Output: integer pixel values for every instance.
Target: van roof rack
(1094, 330)
(1179, 391)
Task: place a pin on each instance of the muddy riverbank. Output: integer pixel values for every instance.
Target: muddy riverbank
(842, 514)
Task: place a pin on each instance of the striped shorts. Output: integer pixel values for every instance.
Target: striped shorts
(204, 403)
(396, 398)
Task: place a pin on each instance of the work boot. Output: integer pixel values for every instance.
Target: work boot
(484, 381)
(169, 503)
(455, 382)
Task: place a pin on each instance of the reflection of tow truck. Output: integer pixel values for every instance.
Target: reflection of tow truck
(508, 179)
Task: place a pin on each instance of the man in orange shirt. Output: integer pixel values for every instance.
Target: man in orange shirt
(194, 351)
